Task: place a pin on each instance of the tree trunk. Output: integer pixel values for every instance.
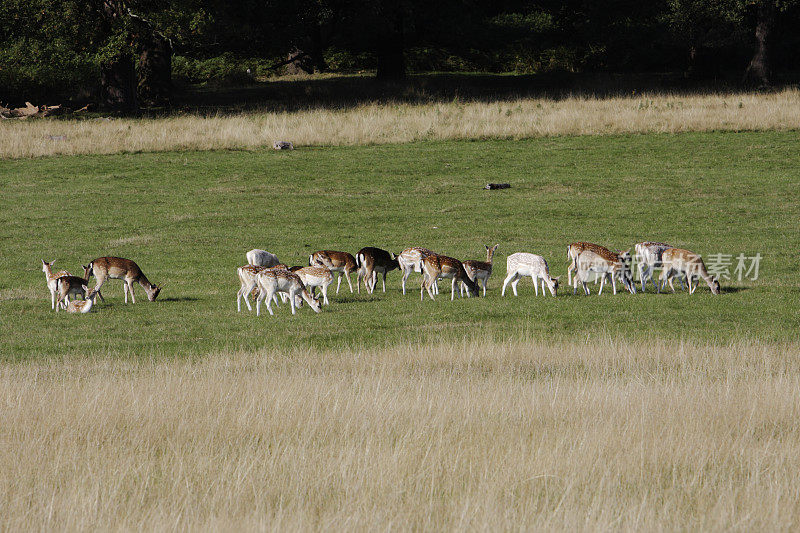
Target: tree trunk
(118, 84)
(391, 63)
(155, 71)
(316, 55)
(758, 71)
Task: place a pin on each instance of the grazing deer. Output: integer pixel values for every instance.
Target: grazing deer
(51, 277)
(481, 270)
(371, 262)
(679, 261)
(316, 276)
(440, 266)
(271, 281)
(249, 285)
(575, 249)
(82, 306)
(410, 260)
(263, 258)
(129, 272)
(648, 256)
(609, 265)
(522, 264)
(339, 263)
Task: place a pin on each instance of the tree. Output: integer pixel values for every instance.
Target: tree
(759, 70)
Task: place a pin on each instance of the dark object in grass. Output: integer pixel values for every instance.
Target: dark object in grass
(493, 186)
(282, 145)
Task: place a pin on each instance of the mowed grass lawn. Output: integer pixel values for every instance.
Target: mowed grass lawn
(187, 218)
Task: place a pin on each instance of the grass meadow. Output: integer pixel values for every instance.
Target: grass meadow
(618, 411)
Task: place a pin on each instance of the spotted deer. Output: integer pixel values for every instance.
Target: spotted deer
(679, 261)
(522, 264)
(410, 260)
(316, 276)
(105, 268)
(339, 263)
(440, 266)
(575, 249)
(51, 277)
(609, 265)
(82, 306)
(249, 285)
(648, 255)
(271, 281)
(67, 286)
(481, 270)
(372, 261)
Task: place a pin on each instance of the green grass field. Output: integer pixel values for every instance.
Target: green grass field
(188, 218)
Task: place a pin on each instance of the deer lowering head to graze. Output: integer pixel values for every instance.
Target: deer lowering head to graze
(410, 260)
(648, 258)
(271, 281)
(51, 278)
(440, 266)
(263, 258)
(608, 265)
(575, 249)
(249, 285)
(105, 268)
(372, 261)
(676, 261)
(481, 270)
(522, 264)
(316, 276)
(339, 263)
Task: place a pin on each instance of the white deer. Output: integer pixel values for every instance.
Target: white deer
(522, 264)
(263, 258)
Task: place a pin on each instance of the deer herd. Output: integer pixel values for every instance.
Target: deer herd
(266, 279)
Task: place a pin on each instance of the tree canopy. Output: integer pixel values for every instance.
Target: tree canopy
(124, 53)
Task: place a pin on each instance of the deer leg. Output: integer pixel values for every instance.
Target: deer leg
(535, 281)
(404, 278)
(613, 285)
(506, 281)
(602, 283)
(347, 274)
(324, 291)
(485, 280)
(383, 282)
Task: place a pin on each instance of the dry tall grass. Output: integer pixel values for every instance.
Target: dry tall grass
(467, 435)
(385, 123)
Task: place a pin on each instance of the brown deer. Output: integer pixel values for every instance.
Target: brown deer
(372, 261)
(575, 249)
(339, 263)
(441, 266)
(608, 265)
(481, 270)
(51, 277)
(67, 286)
(129, 272)
(679, 261)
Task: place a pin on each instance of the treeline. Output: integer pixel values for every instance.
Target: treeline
(125, 53)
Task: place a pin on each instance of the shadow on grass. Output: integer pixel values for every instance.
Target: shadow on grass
(178, 299)
(345, 91)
